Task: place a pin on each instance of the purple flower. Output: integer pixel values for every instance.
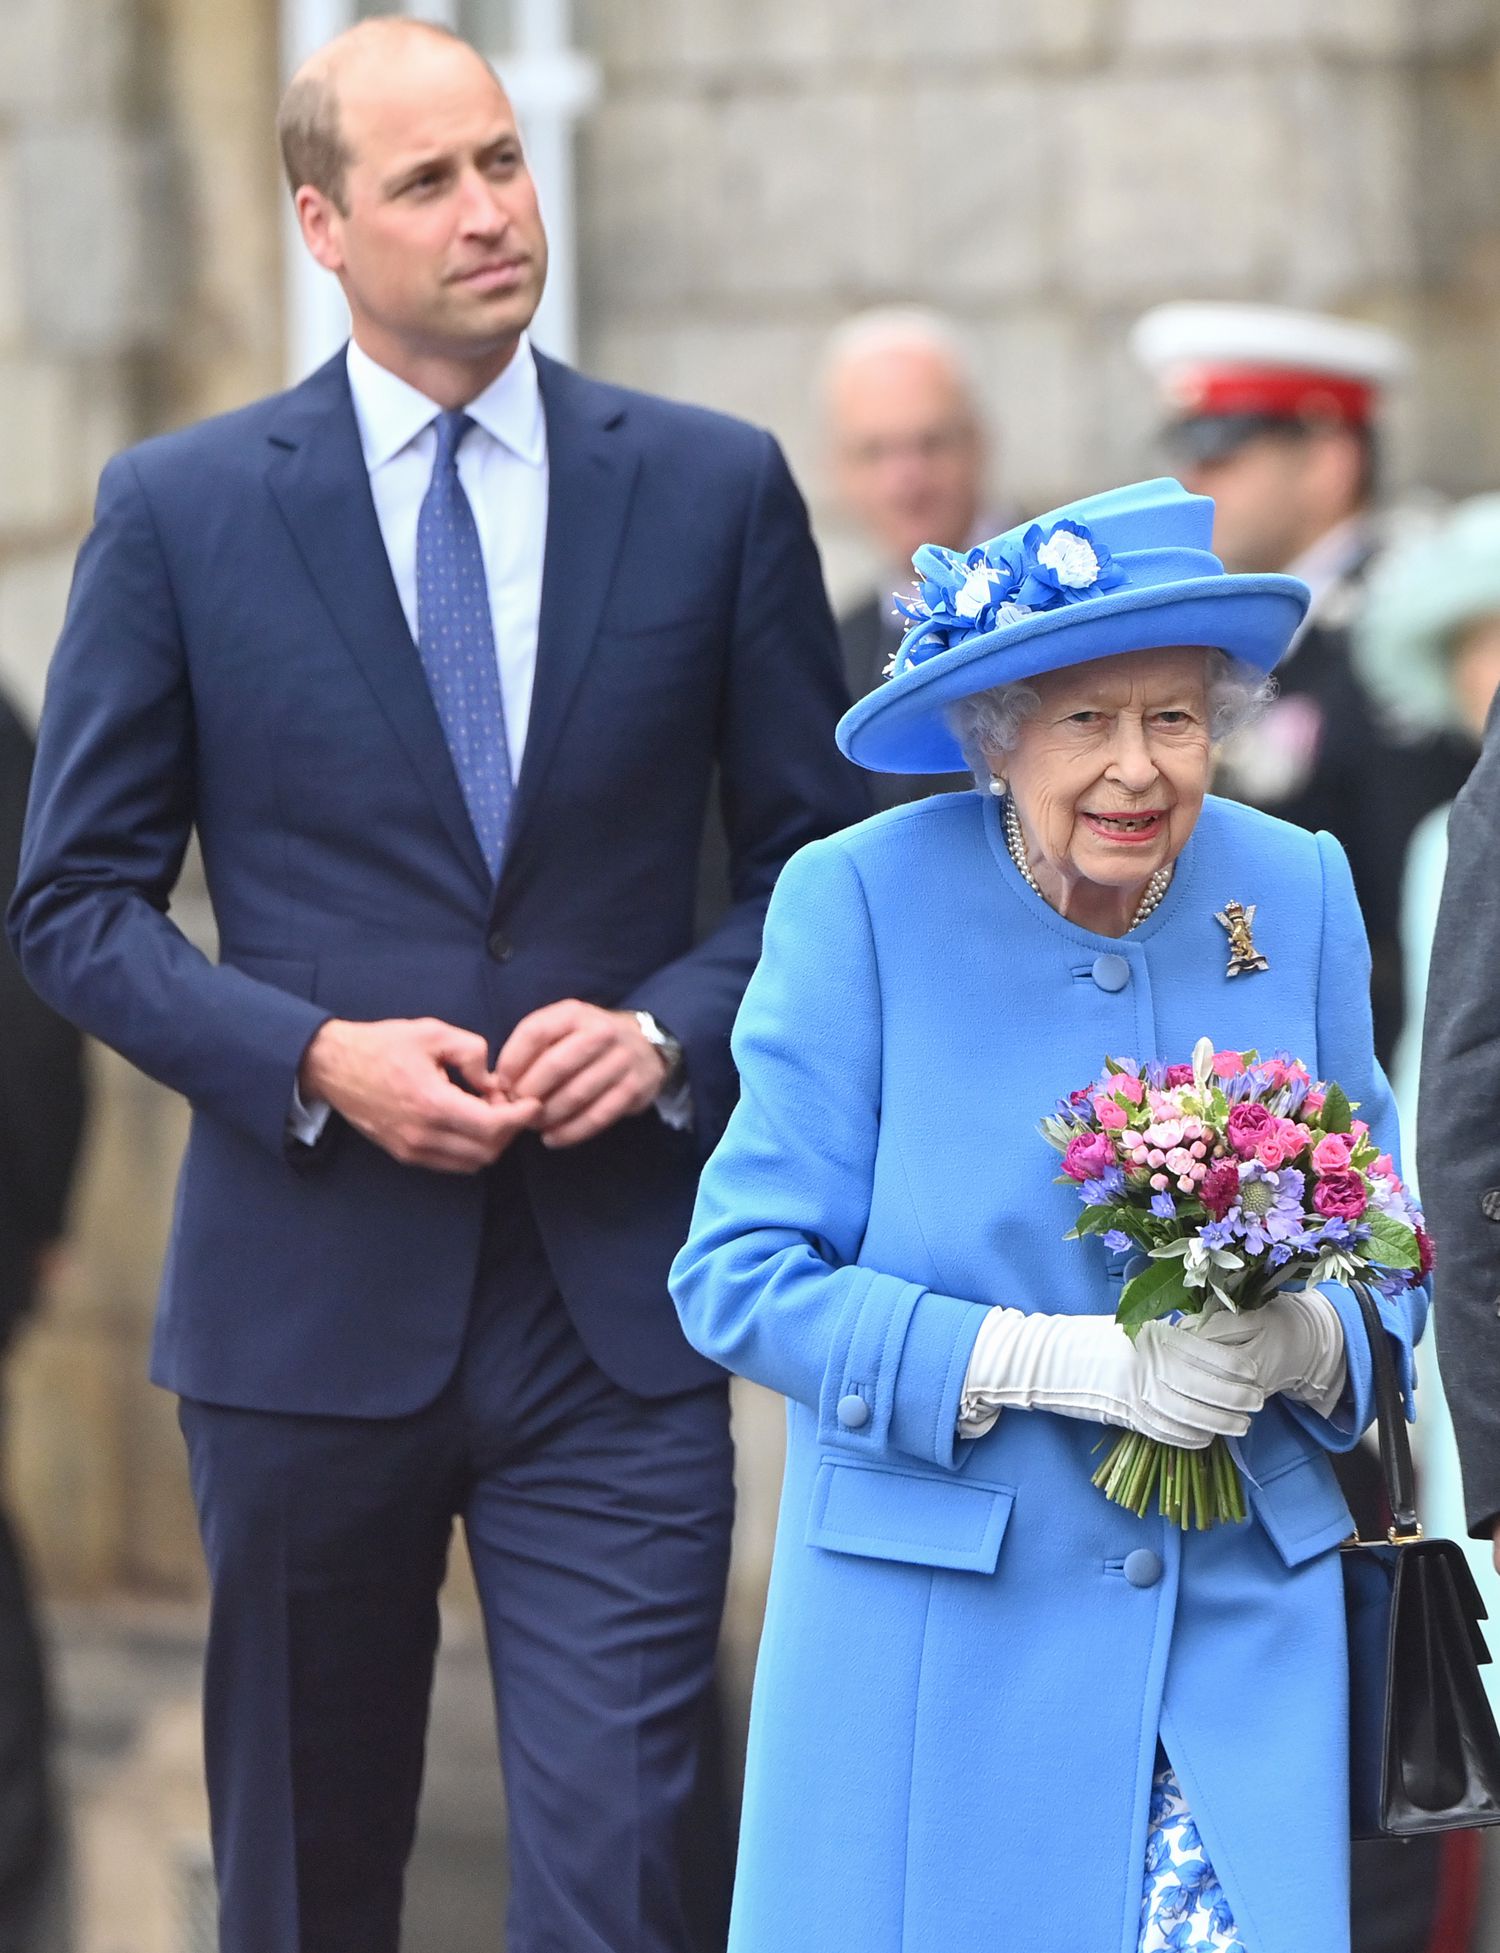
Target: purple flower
(1164, 1207)
(1216, 1234)
(1121, 1243)
(1108, 1186)
(1269, 1209)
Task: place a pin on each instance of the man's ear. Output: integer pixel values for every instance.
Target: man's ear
(319, 220)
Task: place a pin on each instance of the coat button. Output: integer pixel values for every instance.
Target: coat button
(1111, 972)
(853, 1412)
(1489, 1204)
(1142, 1567)
(500, 947)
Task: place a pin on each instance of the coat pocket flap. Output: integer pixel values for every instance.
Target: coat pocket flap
(882, 1513)
(1302, 1509)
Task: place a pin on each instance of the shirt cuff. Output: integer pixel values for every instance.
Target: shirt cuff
(304, 1122)
(675, 1106)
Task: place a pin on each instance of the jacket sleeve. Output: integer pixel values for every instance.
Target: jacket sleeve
(770, 1283)
(111, 811)
(1459, 1128)
(783, 781)
(1346, 1054)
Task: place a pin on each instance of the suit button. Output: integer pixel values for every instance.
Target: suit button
(1142, 1568)
(500, 947)
(1489, 1204)
(1111, 972)
(853, 1412)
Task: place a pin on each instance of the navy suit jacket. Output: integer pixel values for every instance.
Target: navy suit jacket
(235, 659)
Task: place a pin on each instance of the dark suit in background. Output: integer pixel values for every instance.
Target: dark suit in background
(868, 636)
(363, 1349)
(41, 1124)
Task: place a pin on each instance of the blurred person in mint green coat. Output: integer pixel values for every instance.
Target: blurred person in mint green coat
(1428, 649)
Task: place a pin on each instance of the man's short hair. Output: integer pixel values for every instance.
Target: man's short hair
(313, 150)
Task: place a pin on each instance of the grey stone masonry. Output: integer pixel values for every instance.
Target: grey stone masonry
(1042, 170)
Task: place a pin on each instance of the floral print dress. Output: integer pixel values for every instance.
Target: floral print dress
(1183, 1908)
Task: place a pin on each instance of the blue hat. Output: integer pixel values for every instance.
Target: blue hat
(1130, 570)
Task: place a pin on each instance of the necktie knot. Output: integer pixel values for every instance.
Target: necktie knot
(452, 425)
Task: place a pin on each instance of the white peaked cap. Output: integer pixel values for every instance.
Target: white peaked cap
(1210, 334)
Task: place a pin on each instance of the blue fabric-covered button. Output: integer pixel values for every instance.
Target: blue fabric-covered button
(1142, 1568)
(854, 1413)
(1111, 972)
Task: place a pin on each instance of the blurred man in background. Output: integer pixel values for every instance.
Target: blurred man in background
(41, 1121)
(1275, 413)
(908, 453)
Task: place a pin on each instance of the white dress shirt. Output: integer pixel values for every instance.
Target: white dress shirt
(502, 465)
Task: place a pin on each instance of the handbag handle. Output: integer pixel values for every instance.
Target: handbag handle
(1390, 1410)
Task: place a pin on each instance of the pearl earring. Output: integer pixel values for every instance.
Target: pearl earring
(997, 787)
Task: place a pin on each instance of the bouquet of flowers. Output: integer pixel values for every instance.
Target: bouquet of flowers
(1230, 1178)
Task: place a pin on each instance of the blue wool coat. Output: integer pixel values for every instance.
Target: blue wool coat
(960, 1690)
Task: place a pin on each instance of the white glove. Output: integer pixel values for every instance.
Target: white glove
(1295, 1342)
(1168, 1384)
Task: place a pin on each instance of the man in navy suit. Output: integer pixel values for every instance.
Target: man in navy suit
(437, 652)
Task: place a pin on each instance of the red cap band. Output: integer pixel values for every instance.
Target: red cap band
(1279, 393)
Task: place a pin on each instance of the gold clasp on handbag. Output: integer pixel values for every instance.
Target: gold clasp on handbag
(1395, 1539)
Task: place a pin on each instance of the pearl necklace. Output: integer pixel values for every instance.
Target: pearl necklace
(1156, 888)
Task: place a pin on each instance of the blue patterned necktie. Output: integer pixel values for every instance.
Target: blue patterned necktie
(456, 639)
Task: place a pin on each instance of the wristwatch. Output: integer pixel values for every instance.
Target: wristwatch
(665, 1043)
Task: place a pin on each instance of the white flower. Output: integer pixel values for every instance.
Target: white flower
(1070, 558)
(974, 593)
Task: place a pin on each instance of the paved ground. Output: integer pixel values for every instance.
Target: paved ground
(127, 1685)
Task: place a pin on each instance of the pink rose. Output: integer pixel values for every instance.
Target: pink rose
(1176, 1075)
(1130, 1088)
(1358, 1129)
(1271, 1149)
(1221, 1188)
(1087, 1156)
(1385, 1166)
(1108, 1113)
(1312, 1105)
(1277, 1071)
(1228, 1064)
(1248, 1126)
(1293, 1137)
(1341, 1196)
(1331, 1154)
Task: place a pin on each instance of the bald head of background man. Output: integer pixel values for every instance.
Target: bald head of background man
(411, 187)
(905, 433)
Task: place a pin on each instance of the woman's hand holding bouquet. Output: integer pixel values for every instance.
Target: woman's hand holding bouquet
(1240, 1185)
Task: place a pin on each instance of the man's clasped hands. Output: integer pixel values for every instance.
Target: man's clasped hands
(426, 1093)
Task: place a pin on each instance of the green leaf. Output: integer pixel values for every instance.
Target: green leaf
(1336, 1115)
(1392, 1243)
(1155, 1292)
(1099, 1220)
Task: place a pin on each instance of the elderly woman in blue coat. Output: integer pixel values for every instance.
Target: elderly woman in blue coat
(994, 1710)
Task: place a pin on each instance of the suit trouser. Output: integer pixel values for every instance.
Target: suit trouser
(598, 1526)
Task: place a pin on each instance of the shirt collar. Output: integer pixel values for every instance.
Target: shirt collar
(1331, 558)
(391, 413)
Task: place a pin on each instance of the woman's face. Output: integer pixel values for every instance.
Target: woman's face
(1109, 776)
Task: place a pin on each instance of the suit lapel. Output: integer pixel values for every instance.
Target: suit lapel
(591, 467)
(319, 480)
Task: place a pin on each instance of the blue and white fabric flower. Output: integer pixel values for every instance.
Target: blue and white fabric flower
(960, 596)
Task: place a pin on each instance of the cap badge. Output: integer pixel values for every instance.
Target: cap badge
(1244, 957)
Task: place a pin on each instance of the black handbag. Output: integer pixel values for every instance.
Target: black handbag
(1424, 1753)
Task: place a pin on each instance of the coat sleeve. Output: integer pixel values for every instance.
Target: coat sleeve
(783, 782)
(1459, 1131)
(770, 1283)
(1346, 1054)
(111, 811)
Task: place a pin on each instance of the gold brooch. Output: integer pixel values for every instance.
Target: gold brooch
(1243, 955)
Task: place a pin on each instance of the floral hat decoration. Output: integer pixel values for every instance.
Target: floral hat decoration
(1130, 570)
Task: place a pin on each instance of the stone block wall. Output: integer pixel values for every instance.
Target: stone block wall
(1042, 171)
